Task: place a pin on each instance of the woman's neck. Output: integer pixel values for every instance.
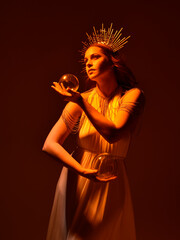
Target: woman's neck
(107, 85)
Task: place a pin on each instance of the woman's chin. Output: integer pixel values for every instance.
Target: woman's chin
(93, 77)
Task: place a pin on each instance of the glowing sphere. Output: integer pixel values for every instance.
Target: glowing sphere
(106, 164)
(69, 81)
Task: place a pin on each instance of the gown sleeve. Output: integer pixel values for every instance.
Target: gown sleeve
(134, 108)
(71, 122)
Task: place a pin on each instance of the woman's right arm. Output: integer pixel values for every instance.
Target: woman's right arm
(56, 137)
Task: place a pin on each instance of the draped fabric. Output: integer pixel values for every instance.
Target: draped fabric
(88, 210)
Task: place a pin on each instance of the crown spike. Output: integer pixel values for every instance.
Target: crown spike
(118, 35)
(118, 32)
(119, 41)
(95, 34)
(106, 37)
(102, 26)
(110, 33)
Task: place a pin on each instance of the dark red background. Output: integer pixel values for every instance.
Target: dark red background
(40, 42)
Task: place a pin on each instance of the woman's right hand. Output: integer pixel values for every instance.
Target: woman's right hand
(66, 94)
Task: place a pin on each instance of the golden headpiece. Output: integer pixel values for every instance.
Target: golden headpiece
(107, 38)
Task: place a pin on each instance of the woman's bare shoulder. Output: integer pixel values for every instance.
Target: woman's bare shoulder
(133, 93)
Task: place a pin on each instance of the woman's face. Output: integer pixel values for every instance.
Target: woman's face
(97, 63)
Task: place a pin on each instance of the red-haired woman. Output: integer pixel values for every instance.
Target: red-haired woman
(86, 206)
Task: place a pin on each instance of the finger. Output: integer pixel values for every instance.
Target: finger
(62, 86)
(54, 87)
(57, 90)
(57, 86)
(55, 83)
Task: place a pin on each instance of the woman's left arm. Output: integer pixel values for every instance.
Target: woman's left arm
(112, 130)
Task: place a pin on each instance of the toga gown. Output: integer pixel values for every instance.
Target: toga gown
(87, 210)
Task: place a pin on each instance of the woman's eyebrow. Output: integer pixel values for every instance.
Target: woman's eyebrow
(95, 55)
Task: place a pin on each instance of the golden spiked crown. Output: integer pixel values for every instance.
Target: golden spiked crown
(109, 38)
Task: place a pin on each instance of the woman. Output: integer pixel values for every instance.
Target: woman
(86, 206)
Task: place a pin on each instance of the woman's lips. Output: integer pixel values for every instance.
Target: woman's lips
(91, 71)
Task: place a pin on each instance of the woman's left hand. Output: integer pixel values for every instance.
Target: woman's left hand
(67, 94)
(92, 174)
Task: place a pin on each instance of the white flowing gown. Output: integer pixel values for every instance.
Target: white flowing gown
(87, 210)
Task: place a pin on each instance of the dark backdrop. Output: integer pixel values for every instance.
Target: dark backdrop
(39, 43)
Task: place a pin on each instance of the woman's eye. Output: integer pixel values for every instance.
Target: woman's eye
(95, 56)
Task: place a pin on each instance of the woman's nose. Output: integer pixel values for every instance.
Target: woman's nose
(89, 64)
